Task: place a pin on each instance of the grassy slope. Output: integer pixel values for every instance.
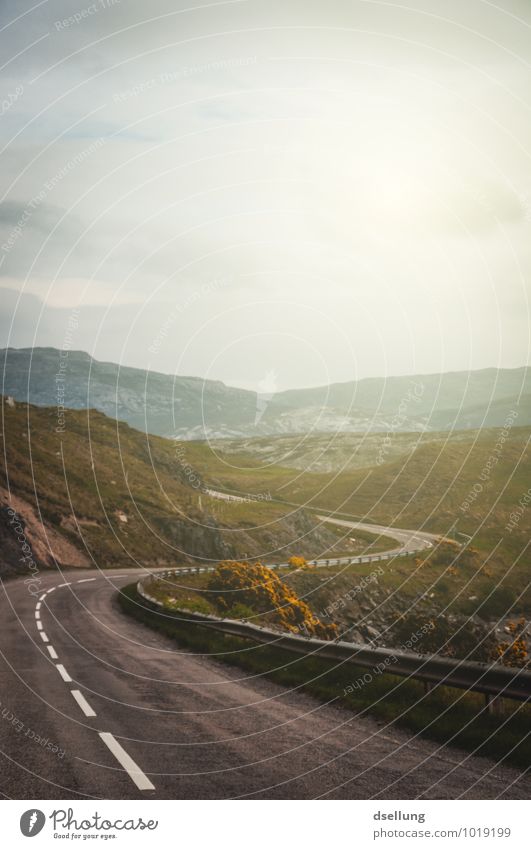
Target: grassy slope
(88, 465)
(425, 488)
(85, 480)
(145, 478)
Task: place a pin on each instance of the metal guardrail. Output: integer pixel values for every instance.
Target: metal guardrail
(492, 680)
(331, 561)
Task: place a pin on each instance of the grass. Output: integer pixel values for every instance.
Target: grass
(445, 715)
(100, 469)
(432, 485)
(127, 497)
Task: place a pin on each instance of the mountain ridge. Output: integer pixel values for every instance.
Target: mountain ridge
(189, 407)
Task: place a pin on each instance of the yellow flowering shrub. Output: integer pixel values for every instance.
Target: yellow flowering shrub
(297, 562)
(260, 589)
(514, 651)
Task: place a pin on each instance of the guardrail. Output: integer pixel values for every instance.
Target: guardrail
(331, 561)
(492, 680)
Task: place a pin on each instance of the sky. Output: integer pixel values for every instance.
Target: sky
(273, 194)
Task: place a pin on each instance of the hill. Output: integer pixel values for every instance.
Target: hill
(193, 408)
(470, 484)
(96, 491)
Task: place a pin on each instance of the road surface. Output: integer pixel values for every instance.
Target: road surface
(94, 704)
(410, 542)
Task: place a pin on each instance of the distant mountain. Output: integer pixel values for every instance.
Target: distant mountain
(147, 400)
(193, 408)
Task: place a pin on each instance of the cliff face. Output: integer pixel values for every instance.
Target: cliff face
(27, 544)
(160, 404)
(192, 408)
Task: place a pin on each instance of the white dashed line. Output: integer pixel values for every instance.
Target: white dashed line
(133, 770)
(62, 672)
(82, 702)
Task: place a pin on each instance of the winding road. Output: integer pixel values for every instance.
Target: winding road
(410, 542)
(94, 704)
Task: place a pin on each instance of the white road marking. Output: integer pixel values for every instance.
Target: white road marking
(38, 606)
(39, 625)
(53, 653)
(62, 672)
(86, 580)
(119, 576)
(133, 770)
(44, 638)
(66, 584)
(82, 702)
(37, 615)
(52, 589)
(43, 596)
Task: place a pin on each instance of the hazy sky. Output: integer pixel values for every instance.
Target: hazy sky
(274, 193)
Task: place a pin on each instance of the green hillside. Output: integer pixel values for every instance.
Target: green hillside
(122, 497)
(469, 483)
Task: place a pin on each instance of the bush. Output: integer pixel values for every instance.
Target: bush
(259, 589)
(446, 636)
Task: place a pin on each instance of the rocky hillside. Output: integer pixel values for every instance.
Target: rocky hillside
(90, 490)
(193, 408)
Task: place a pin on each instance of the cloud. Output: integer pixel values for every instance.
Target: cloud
(359, 162)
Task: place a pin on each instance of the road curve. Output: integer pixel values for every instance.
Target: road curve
(94, 704)
(410, 542)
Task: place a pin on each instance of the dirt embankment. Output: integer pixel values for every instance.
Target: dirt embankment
(27, 543)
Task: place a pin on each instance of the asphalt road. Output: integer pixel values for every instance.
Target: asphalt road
(133, 716)
(409, 542)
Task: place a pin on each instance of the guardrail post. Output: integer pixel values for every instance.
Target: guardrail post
(493, 704)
